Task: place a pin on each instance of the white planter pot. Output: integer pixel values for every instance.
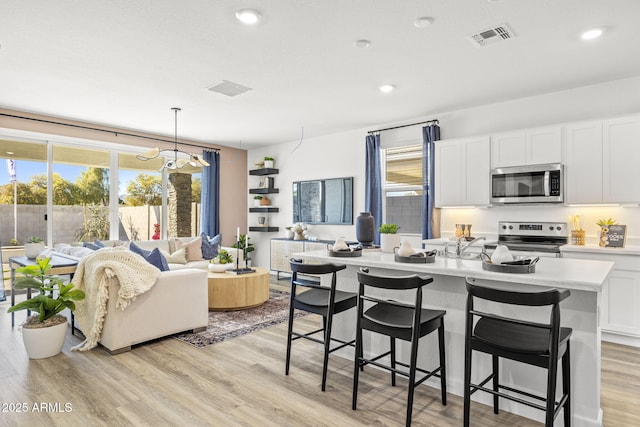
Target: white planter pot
(389, 241)
(268, 164)
(44, 342)
(257, 202)
(32, 250)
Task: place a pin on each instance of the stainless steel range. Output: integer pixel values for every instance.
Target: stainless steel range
(533, 237)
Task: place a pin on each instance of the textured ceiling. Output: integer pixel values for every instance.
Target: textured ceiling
(126, 63)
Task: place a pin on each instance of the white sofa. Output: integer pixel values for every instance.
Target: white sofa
(177, 302)
(166, 245)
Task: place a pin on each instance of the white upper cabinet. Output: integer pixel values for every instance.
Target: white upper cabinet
(527, 147)
(583, 162)
(602, 161)
(620, 155)
(462, 172)
(508, 149)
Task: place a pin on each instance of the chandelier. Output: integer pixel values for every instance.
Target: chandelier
(176, 162)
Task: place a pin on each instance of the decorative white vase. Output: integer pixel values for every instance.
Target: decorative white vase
(389, 241)
(32, 250)
(44, 342)
(220, 268)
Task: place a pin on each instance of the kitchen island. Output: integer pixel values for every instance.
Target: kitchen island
(580, 311)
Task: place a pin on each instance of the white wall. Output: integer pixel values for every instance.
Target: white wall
(331, 156)
(342, 154)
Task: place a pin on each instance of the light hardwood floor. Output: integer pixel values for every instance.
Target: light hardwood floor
(242, 382)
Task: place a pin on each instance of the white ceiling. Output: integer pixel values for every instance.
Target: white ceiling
(126, 63)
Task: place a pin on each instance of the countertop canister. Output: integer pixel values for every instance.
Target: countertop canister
(365, 228)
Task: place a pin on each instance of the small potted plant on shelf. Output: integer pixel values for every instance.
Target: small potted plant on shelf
(221, 262)
(43, 334)
(388, 237)
(33, 246)
(257, 200)
(268, 162)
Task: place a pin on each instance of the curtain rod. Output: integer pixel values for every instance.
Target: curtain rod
(404, 126)
(107, 131)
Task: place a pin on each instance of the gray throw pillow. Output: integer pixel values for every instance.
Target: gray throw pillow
(210, 245)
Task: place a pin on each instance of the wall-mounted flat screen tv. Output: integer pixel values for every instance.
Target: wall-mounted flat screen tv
(323, 201)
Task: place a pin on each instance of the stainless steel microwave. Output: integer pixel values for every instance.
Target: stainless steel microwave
(528, 184)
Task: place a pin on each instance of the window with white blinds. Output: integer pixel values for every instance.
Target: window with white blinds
(403, 188)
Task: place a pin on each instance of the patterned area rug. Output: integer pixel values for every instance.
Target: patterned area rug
(224, 325)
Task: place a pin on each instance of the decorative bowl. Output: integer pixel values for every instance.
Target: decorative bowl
(220, 268)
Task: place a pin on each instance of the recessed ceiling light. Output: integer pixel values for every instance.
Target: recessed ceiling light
(362, 43)
(11, 153)
(423, 22)
(248, 16)
(591, 34)
(386, 88)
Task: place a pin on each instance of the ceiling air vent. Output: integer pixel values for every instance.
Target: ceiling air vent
(229, 88)
(492, 35)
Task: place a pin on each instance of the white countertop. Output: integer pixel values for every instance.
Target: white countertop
(550, 272)
(593, 248)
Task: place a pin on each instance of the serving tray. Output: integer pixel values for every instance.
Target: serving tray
(506, 268)
(345, 254)
(415, 259)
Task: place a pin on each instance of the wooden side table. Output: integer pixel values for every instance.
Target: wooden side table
(236, 292)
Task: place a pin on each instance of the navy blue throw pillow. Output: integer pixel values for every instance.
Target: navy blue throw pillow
(153, 257)
(91, 246)
(210, 245)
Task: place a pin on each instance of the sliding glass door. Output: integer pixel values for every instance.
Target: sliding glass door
(23, 192)
(80, 195)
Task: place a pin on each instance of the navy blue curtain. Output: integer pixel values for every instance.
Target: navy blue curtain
(430, 134)
(210, 196)
(373, 183)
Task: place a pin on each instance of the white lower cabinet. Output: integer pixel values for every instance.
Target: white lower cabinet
(620, 300)
(282, 250)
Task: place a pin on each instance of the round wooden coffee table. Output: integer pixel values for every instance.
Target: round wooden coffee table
(236, 292)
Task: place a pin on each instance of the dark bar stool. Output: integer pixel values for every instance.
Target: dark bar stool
(533, 343)
(322, 300)
(408, 322)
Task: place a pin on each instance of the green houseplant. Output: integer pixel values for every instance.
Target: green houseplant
(389, 238)
(257, 200)
(268, 162)
(388, 228)
(43, 333)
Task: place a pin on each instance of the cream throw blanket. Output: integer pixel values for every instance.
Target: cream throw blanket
(135, 276)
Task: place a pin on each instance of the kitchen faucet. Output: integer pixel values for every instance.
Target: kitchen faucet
(461, 249)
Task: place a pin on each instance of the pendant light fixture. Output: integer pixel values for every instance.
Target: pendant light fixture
(176, 162)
